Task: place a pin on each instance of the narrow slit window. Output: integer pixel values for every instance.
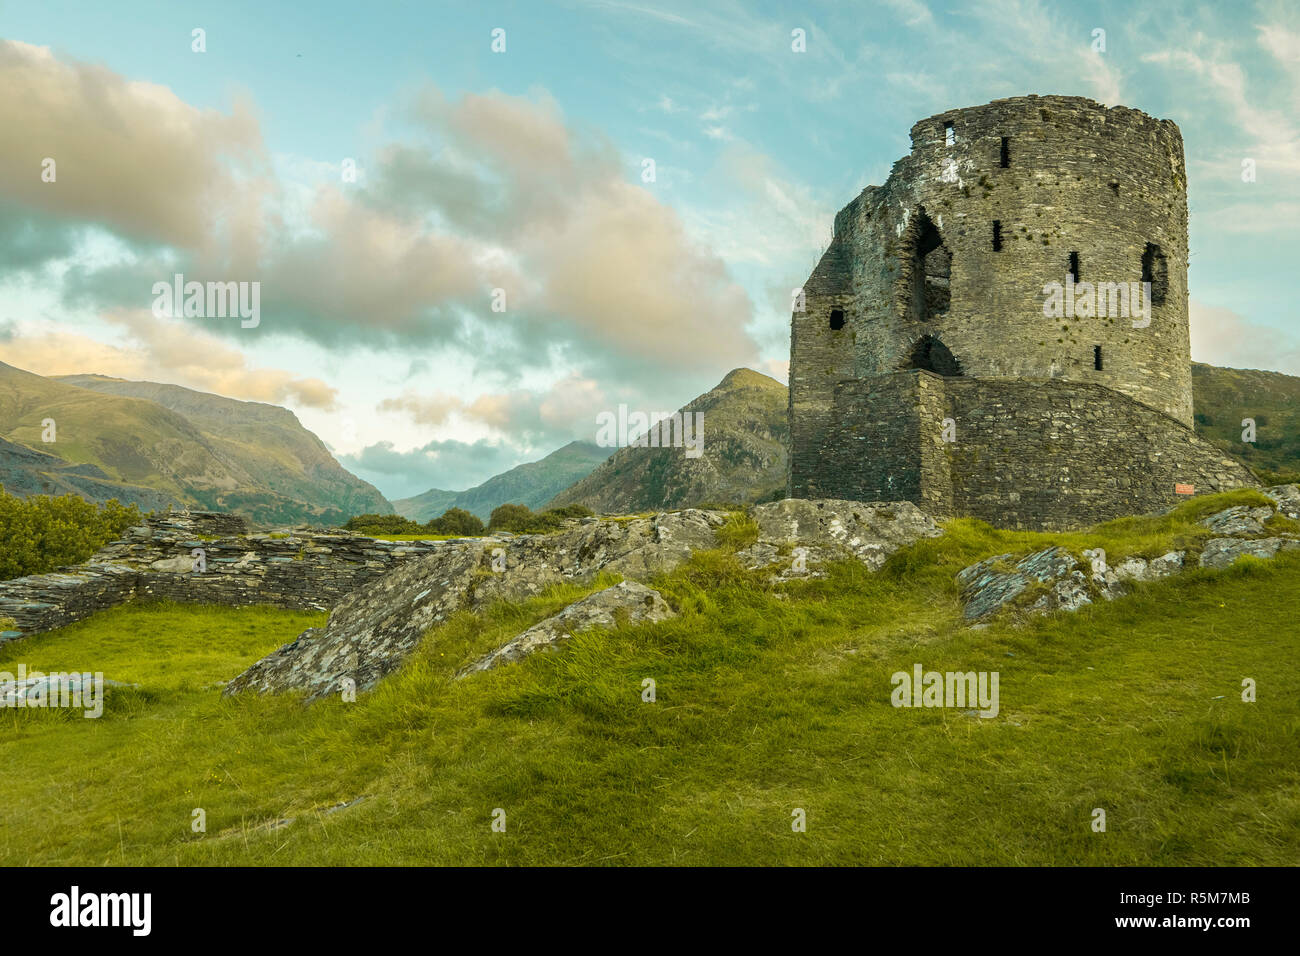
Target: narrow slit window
(1005, 157)
(949, 134)
(1155, 270)
(997, 235)
(1096, 357)
(837, 319)
(1074, 266)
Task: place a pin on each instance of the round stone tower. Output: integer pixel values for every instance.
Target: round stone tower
(1033, 241)
(945, 265)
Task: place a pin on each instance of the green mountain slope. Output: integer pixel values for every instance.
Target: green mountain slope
(430, 504)
(1225, 396)
(533, 484)
(162, 444)
(744, 455)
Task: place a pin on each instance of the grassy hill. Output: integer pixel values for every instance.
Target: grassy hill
(1225, 396)
(532, 483)
(161, 444)
(768, 699)
(745, 431)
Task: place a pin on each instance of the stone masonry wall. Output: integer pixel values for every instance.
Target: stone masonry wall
(1065, 454)
(1027, 454)
(297, 568)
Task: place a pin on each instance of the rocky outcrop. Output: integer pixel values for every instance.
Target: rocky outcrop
(370, 633)
(1287, 498)
(297, 568)
(372, 630)
(1239, 520)
(1221, 552)
(831, 530)
(1068, 583)
(626, 602)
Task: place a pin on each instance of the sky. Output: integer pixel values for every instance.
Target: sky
(475, 226)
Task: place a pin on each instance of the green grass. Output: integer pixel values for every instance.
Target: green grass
(768, 699)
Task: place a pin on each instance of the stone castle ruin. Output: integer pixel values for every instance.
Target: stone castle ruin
(930, 363)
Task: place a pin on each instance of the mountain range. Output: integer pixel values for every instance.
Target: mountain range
(532, 484)
(744, 435)
(159, 445)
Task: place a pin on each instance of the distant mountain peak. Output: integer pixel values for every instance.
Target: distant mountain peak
(747, 378)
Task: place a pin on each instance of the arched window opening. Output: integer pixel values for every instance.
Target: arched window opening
(930, 267)
(837, 319)
(932, 355)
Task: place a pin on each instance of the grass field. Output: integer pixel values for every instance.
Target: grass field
(768, 699)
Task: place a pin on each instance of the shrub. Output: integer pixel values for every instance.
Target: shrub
(521, 519)
(1277, 477)
(515, 518)
(572, 511)
(740, 531)
(382, 524)
(42, 532)
(456, 521)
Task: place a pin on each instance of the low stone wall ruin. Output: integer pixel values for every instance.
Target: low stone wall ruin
(295, 568)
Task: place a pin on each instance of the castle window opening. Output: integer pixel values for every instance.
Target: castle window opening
(1074, 266)
(930, 268)
(949, 135)
(1096, 357)
(997, 235)
(931, 355)
(837, 319)
(1155, 269)
(1005, 158)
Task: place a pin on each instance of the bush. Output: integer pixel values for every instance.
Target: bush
(572, 511)
(382, 524)
(456, 521)
(517, 518)
(42, 533)
(521, 519)
(1281, 477)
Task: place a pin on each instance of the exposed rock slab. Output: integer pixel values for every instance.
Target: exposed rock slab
(831, 529)
(1222, 552)
(1241, 519)
(371, 631)
(1287, 498)
(636, 602)
(369, 634)
(987, 588)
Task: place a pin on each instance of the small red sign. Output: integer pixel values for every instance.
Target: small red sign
(1180, 489)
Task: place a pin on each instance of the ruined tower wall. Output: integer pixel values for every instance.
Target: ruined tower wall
(1064, 454)
(820, 357)
(1023, 454)
(1102, 183)
(943, 268)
